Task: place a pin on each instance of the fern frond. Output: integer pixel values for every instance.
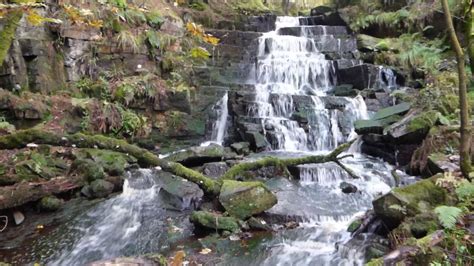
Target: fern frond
(448, 215)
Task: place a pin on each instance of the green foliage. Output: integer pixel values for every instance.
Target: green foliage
(465, 190)
(118, 3)
(200, 53)
(387, 19)
(448, 215)
(94, 88)
(133, 16)
(127, 39)
(154, 18)
(198, 5)
(133, 124)
(153, 39)
(8, 32)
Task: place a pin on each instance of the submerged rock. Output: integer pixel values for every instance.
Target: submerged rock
(244, 199)
(215, 221)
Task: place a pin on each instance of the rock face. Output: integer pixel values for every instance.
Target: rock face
(409, 200)
(244, 199)
(215, 221)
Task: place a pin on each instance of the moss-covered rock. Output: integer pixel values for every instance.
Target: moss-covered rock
(113, 163)
(354, 225)
(50, 204)
(399, 109)
(419, 197)
(215, 221)
(88, 169)
(101, 188)
(244, 199)
(38, 165)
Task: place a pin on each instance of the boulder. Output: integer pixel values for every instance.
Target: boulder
(177, 193)
(257, 140)
(242, 148)
(413, 128)
(410, 200)
(363, 127)
(101, 188)
(215, 169)
(321, 10)
(199, 155)
(50, 204)
(344, 90)
(113, 163)
(88, 169)
(347, 188)
(399, 109)
(215, 221)
(244, 199)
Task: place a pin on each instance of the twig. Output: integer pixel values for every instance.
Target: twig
(6, 223)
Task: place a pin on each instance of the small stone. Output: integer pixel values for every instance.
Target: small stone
(18, 217)
(50, 204)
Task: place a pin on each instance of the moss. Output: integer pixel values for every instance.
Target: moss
(424, 121)
(215, 221)
(244, 199)
(8, 33)
(50, 203)
(88, 169)
(114, 163)
(354, 226)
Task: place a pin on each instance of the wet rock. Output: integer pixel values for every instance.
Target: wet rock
(376, 250)
(367, 43)
(18, 217)
(177, 193)
(363, 127)
(215, 169)
(344, 90)
(215, 221)
(101, 188)
(347, 188)
(244, 199)
(196, 156)
(410, 200)
(257, 140)
(242, 148)
(38, 165)
(50, 204)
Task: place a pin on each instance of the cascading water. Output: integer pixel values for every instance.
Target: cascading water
(220, 125)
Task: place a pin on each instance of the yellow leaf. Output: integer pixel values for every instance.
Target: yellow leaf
(178, 258)
(34, 18)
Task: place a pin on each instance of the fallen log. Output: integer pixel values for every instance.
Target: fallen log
(24, 192)
(145, 158)
(273, 161)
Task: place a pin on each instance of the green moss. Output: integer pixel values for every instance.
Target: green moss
(424, 121)
(50, 203)
(8, 33)
(88, 169)
(354, 226)
(114, 163)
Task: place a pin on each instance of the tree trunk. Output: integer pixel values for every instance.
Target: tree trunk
(464, 149)
(468, 9)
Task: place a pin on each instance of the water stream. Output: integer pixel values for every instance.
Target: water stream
(291, 75)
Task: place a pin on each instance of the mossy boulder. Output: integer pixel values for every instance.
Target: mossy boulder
(50, 204)
(354, 225)
(241, 147)
(416, 198)
(244, 199)
(113, 163)
(101, 188)
(413, 128)
(215, 221)
(88, 169)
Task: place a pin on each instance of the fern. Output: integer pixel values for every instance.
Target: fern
(126, 39)
(465, 190)
(448, 216)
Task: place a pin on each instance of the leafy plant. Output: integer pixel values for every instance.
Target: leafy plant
(448, 215)
(465, 190)
(127, 39)
(154, 18)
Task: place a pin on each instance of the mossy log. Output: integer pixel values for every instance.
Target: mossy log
(273, 161)
(24, 192)
(21, 138)
(145, 158)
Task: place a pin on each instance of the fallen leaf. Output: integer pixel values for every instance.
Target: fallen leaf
(205, 251)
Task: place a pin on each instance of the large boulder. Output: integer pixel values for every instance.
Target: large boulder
(416, 198)
(244, 199)
(113, 163)
(100, 188)
(215, 221)
(177, 193)
(413, 128)
(199, 155)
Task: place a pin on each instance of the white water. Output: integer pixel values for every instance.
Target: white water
(220, 125)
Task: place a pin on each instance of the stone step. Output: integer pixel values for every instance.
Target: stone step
(311, 31)
(322, 43)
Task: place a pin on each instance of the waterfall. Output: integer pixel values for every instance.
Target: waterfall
(219, 126)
